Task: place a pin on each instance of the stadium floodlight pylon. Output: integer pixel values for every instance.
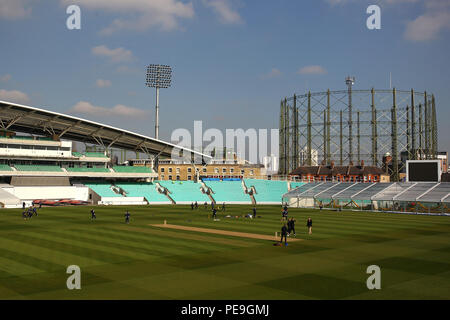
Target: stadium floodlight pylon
(158, 76)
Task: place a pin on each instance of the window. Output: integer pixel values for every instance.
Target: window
(189, 170)
(242, 171)
(162, 177)
(162, 169)
(170, 171)
(204, 170)
(178, 170)
(189, 177)
(231, 170)
(224, 170)
(216, 170)
(170, 177)
(178, 178)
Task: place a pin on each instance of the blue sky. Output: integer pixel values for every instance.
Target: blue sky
(233, 60)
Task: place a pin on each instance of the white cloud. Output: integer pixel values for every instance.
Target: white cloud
(312, 70)
(5, 78)
(14, 9)
(224, 10)
(100, 83)
(114, 55)
(118, 110)
(428, 25)
(14, 96)
(140, 15)
(274, 73)
(425, 27)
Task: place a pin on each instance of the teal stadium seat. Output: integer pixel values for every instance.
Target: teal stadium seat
(295, 185)
(267, 190)
(228, 191)
(95, 154)
(102, 189)
(143, 189)
(185, 191)
(5, 167)
(32, 167)
(85, 169)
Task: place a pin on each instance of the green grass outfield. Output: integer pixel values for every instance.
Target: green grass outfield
(137, 261)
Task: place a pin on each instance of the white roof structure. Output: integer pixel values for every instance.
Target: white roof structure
(26, 119)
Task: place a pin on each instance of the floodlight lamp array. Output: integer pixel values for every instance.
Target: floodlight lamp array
(159, 76)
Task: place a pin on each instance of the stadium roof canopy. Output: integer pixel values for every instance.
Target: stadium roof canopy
(20, 118)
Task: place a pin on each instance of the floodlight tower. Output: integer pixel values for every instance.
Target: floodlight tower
(350, 81)
(158, 76)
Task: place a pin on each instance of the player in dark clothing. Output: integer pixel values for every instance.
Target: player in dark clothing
(254, 212)
(291, 226)
(288, 227)
(35, 211)
(93, 216)
(284, 234)
(23, 205)
(223, 206)
(284, 215)
(24, 215)
(30, 213)
(196, 205)
(214, 211)
(127, 217)
(192, 206)
(309, 225)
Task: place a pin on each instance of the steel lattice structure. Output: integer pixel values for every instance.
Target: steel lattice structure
(353, 125)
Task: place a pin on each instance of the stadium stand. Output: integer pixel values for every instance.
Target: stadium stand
(95, 154)
(103, 189)
(5, 167)
(267, 191)
(132, 169)
(295, 185)
(228, 191)
(85, 169)
(31, 167)
(143, 189)
(185, 191)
